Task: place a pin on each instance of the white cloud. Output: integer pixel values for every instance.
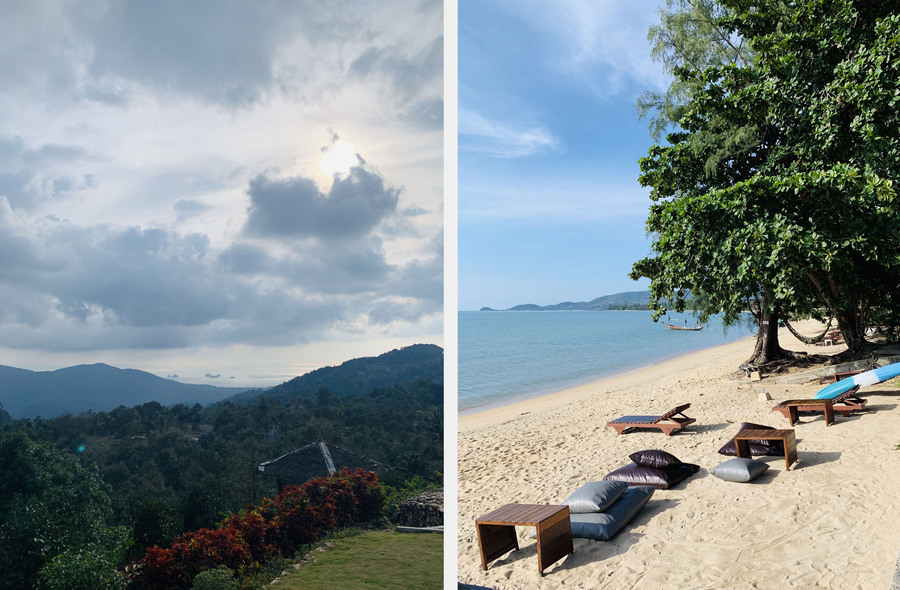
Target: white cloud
(600, 44)
(506, 140)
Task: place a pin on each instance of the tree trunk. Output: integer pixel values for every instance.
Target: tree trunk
(767, 347)
(851, 325)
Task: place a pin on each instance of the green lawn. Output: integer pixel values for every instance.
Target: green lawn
(373, 559)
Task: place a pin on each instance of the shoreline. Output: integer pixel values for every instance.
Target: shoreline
(537, 395)
(500, 411)
(824, 523)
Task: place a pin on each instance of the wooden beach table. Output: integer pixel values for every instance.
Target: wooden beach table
(791, 409)
(497, 532)
(742, 443)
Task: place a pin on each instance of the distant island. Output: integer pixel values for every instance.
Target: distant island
(635, 300)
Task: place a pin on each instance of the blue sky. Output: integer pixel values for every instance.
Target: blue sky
(550, 208)
(166, 197)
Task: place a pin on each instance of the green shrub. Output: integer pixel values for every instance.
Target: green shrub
(90, 568)
(219, 578)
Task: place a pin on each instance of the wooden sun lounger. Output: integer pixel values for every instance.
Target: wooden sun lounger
(669, 422)
(843, 404)
(840, 375)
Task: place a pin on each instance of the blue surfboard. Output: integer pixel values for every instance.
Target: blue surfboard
(862, 379)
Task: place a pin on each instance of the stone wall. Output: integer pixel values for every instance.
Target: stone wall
(425, 510)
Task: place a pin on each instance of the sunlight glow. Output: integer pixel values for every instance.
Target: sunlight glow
(339, 159)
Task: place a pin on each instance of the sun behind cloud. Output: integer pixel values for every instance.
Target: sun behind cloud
(338, 158)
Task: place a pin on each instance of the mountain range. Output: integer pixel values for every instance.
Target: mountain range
(101, 387)
(98, 387)
(627, 299)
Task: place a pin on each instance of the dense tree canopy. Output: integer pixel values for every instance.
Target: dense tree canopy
(778, 185)
(53, 520)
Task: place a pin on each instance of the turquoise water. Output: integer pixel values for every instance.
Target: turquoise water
(505, 356)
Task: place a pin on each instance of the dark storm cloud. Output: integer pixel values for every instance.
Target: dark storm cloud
(295, 207)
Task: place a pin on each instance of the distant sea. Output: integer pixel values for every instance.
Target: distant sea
(507, 356)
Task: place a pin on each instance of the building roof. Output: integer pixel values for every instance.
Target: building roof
(316, 459)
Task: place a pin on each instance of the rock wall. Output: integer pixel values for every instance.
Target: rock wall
(425, 510)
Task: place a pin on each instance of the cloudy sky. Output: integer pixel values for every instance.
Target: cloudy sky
(550, 208)
(230, 191)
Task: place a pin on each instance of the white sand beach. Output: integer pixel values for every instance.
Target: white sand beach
(831, 521)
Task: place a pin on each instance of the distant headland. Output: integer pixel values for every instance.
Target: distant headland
(628, 300)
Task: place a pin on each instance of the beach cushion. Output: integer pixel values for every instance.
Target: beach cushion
(739, 470)
(640, 475)
(654, 458)
(602, 526)
(595, 496)
(757, 447)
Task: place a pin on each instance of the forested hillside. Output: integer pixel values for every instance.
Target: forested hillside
(360, 374)
(170, 470)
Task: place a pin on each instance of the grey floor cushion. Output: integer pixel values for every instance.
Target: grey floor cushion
(602, 526)
(595, 496)
(739, 470)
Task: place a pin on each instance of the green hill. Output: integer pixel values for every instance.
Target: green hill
(361, 375)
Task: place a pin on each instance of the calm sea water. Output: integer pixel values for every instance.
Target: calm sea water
(505, 356)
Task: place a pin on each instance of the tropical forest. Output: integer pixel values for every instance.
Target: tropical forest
(152, 496)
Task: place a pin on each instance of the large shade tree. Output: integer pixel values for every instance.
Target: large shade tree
(776, 189)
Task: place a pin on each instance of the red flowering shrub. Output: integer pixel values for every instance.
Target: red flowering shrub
(258, 532)
(370, 498)
(276, 526)
(190, 554)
